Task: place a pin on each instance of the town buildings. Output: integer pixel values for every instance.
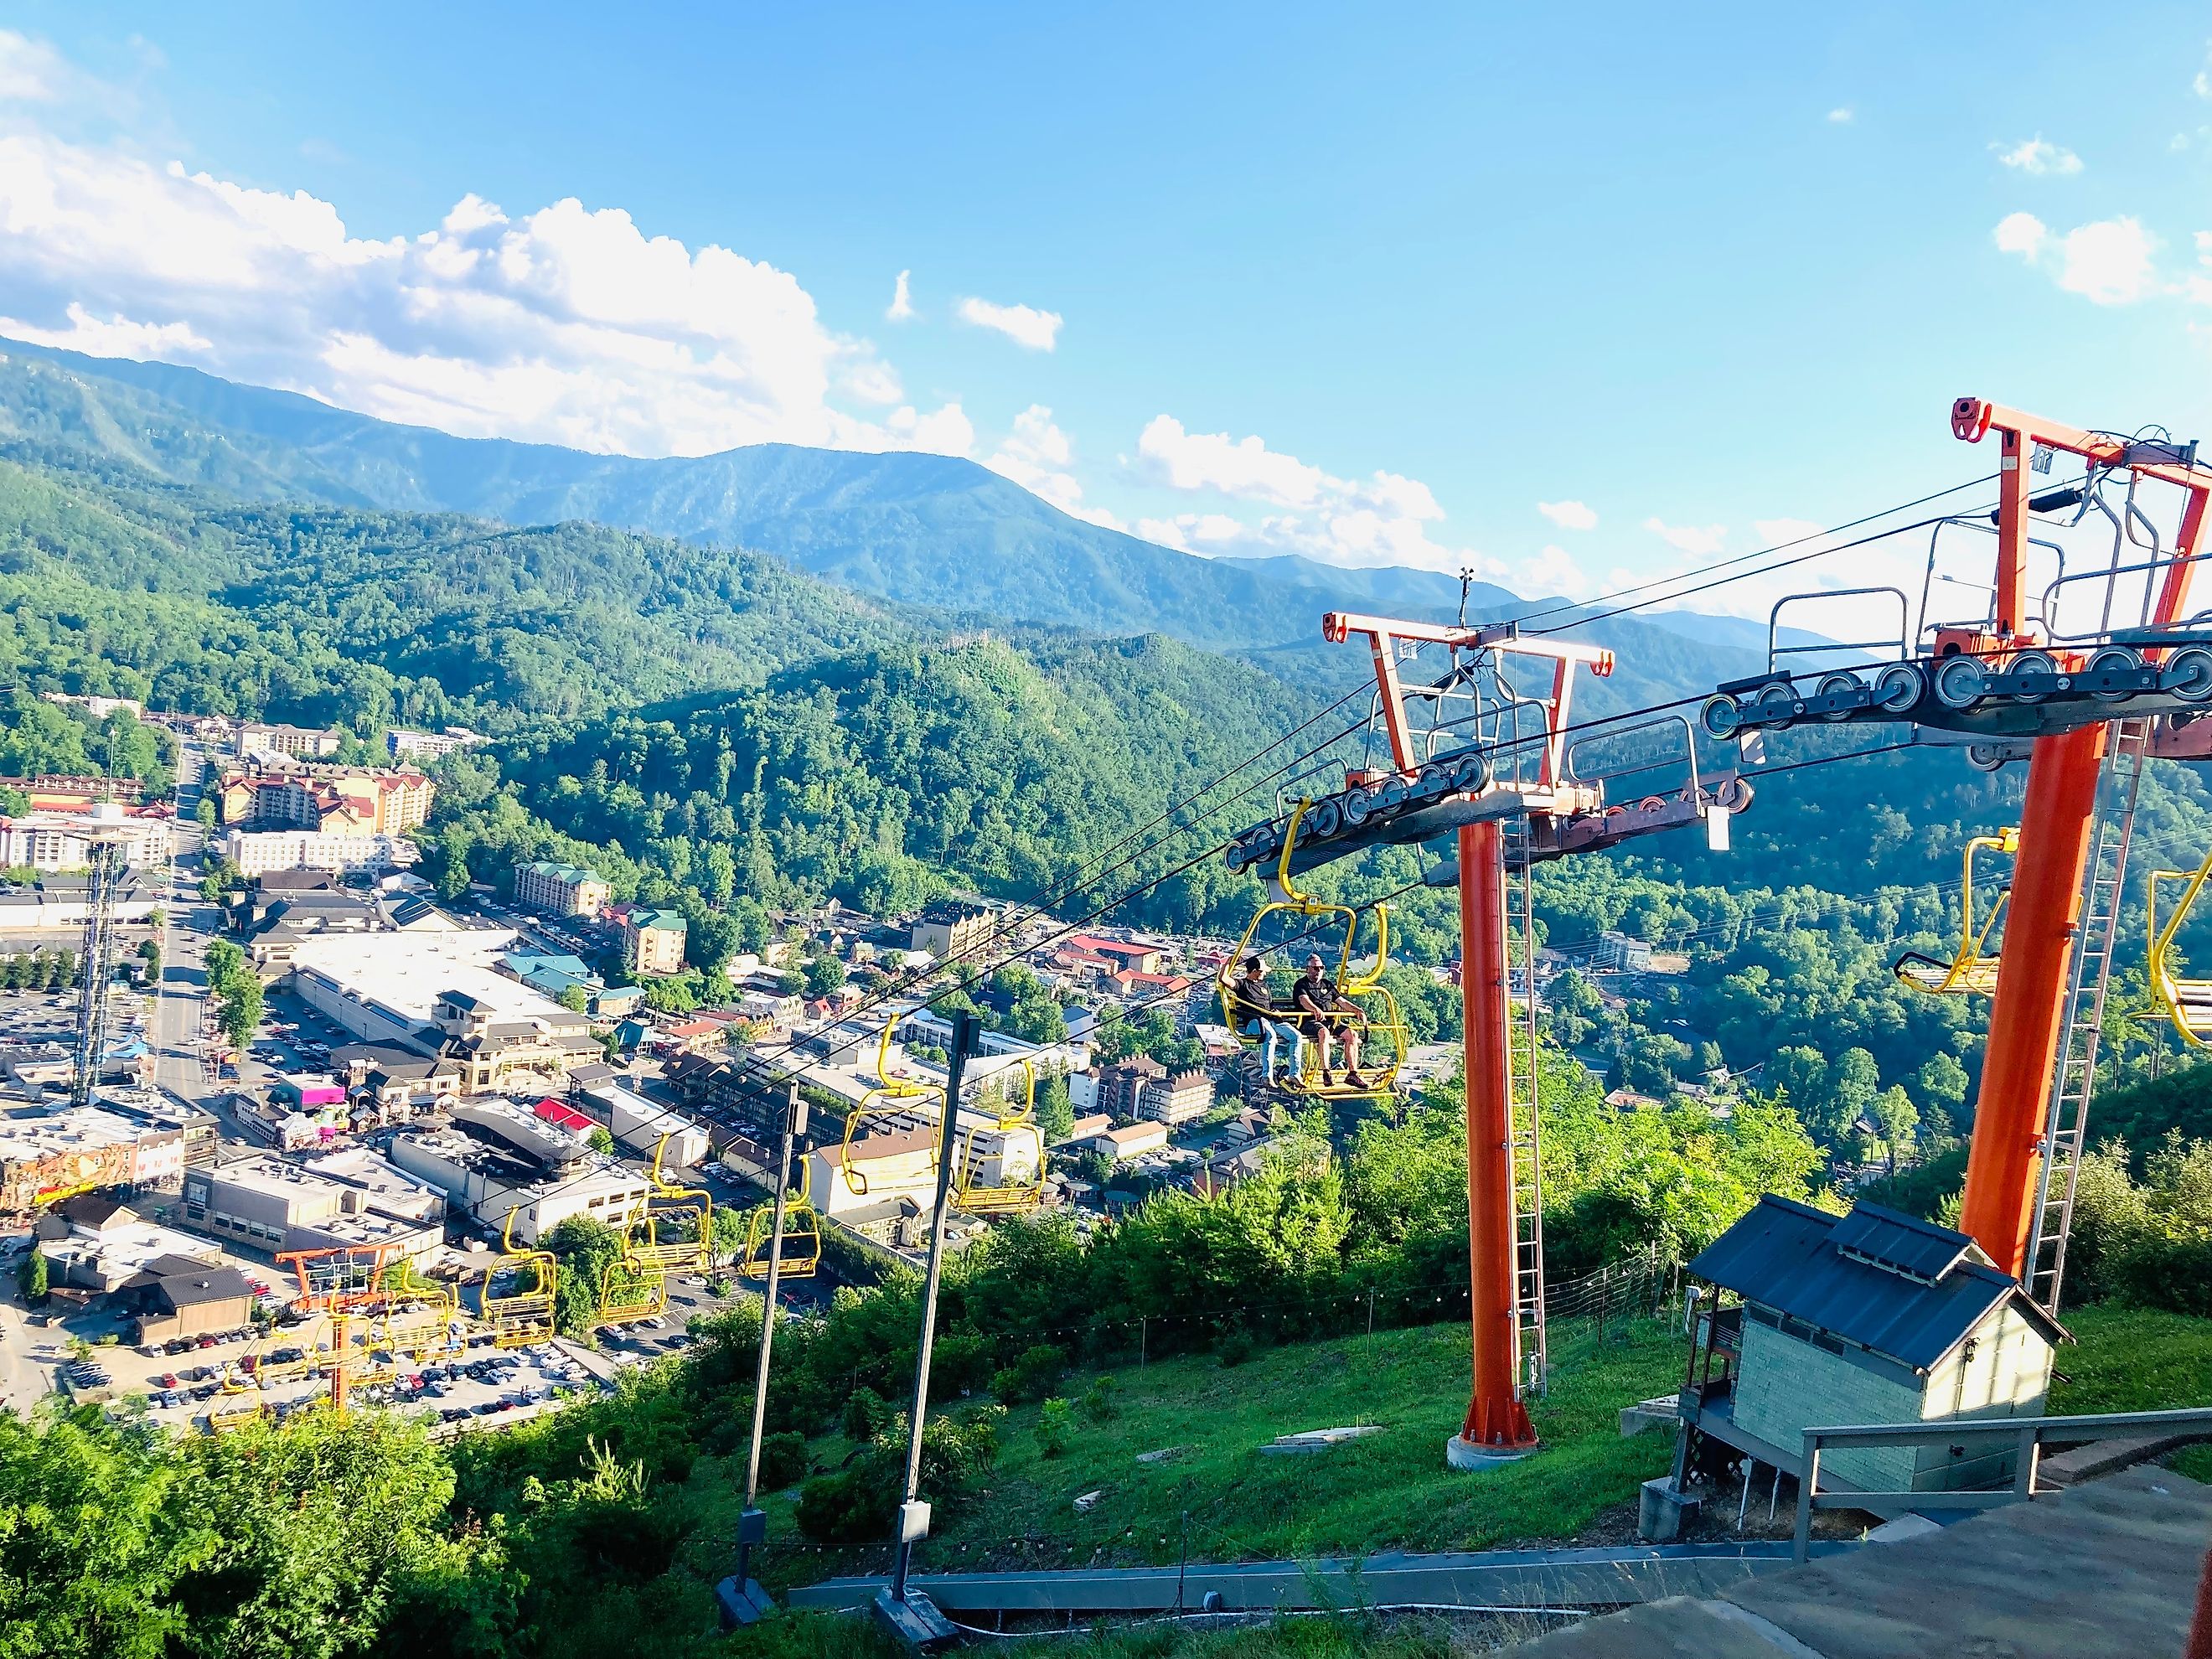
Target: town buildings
(652, 940)
(49, 1155)
(339, 800)
(254, 738)
(257, 853)
(348, 1198)
(949, 929)
(439, 994)
(559, 890)
(63, 840)
(402, 744)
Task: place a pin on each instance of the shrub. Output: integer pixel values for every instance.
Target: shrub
(1235, 1346)
(1055, 1427)
(1031, 1377)
(1102, 1401)
(864, 1415)
(783, 1459)
(855, 1504)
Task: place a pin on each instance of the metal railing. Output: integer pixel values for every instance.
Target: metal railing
(2025, 1435)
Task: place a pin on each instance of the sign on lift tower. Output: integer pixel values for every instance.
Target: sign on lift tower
(1510, 798)
(2105, 667)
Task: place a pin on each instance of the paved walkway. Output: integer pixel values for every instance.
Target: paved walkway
(2107, 1570)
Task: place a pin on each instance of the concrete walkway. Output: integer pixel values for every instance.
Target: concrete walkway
(2107, 1570)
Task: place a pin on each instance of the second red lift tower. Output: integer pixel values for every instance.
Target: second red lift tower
(2014, 1124)
(1497, 1424)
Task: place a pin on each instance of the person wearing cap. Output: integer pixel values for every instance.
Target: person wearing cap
(1253, 1009)
(1321, 1011)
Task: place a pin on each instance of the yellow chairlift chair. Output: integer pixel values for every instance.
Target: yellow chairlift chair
(1019, 1186)
(633, 1286)
(2186, 1003)
(1974, 968)
(1327, 928)
(895, 1098)
(802, 1235)
(681, 1236)
(524, 1315)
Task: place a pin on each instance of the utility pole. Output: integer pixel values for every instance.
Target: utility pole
(913, 1617)
(743, 1601)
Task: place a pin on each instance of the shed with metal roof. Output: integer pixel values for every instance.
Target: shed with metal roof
(1876, 1316)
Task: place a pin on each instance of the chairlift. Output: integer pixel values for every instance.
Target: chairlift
(2186, 1004)
(802, 1235)
(1973, 969)
(894, 1098)
(631, 1287)
(1020, 1185)
(524, 1314)
(1377, 1017)
(680, 1235)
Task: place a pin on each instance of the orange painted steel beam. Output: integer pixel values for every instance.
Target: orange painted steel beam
(1496, 1418)
(2026, 1015)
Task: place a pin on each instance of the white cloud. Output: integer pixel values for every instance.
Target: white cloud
(1551, 571)
(2022, 233)
(1034, 330)
(1841, 115)
(1569, 515)
(945, 431)
(2037, 156)
(901, 306)
(1383, 520)
(565, 325)
(31, 71)
(1245, 467)
(1038, 456)
(1704, 540)
(113, 336)
(2109, 262)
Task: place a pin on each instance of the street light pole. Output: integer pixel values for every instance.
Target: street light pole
(742, 1601)
(912, 1616)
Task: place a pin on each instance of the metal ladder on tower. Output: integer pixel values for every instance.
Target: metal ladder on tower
(2074, 1078)
(1532, 1371)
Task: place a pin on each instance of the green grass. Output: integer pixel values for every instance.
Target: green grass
(2137, 1359)
(1390, 1489)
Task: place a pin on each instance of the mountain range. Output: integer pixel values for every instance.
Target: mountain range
(915, 528)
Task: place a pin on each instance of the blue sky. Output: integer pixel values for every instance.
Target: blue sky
(1369, 283)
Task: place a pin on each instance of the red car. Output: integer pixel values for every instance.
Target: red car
(168, 1379)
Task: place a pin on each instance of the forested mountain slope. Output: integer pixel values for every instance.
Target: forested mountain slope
(919, 529)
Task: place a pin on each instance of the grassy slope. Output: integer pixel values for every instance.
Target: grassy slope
(2138, 1359)
(1389, 1489)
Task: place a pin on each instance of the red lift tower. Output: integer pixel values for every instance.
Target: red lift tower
(1507, 793)
(2102, 669)
(2029, 1117)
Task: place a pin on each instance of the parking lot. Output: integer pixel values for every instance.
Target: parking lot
(205, 1381)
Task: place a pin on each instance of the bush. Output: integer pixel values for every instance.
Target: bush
(1031, 1377)
(1102, 1401)
(855, 1505)
(783, 1459)
(1055, 1427)
(1235, 1346)
(864, 1415)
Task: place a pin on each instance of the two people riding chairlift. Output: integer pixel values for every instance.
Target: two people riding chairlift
(1320, 1011)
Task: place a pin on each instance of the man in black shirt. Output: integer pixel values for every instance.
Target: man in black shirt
(1253, 1011)
(1324, 1013)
